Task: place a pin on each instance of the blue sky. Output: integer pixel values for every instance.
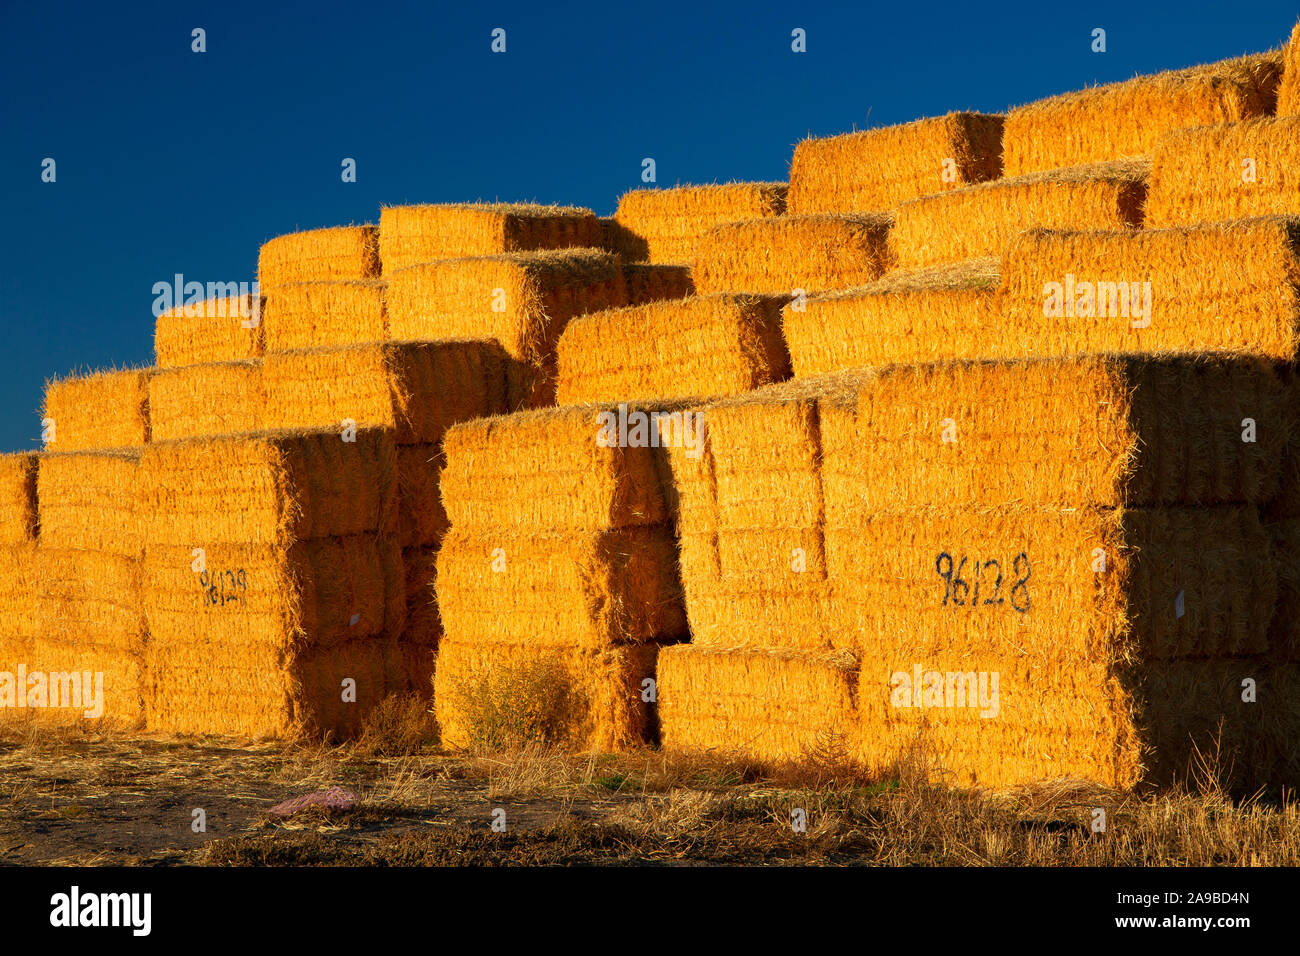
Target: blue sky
(172, 161)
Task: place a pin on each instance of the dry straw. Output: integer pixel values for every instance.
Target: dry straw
(1217, 173)
(549, 470)
(415, 389)
(875, 170)
(770, 705)
(195, 400)
(306, 315)
(225, 329)
(489, 695)
(411, 235)
(593, 589)
(1288, 94)
(980, 221)
(123, 706)
(701, 346)
(272, 488)
(89, 597)
(319, 255)
(91, 500)
(665, 225)
(779, 255)
(18, 513)
(1122, 120)
(108, 409)
(18, 621)
(653, 283)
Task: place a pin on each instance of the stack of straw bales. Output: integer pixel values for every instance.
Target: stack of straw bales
(559, 575)
(273, 582)
(19, 524)
(664, 225)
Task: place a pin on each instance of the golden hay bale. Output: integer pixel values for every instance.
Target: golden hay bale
(496, 694)
(411, 235)
(421, 518)
(89, 597)
(415, 389)
(101, 410)
(1217, 173)
(926, 315)
(592, 589)
(664, 225)
(18, 511)
(551, 469)
(876, 169)
(1097, 430)
(272, 488)
(1230, 286)
(91, 500)
(19, 580)
(522, 301)
(423, 623)
(306, 315)
(319, 255)
(1121, 120)
(980, 221)
(783, 254)
(771, 705)
(225, 329)
(196, 400)
(701, 346)
(107, 679)
(653, 283)
(248, 598)
(303, 694)
(1288, 92)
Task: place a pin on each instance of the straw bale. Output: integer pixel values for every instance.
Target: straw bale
(91, 500)
(1201, 175)
(88, 597)
(262, 599)
(306, 315)
(1175, 583)
(19, 577)
(319, 255)
(421, 518)
(411, 235)
(101, 410)
(522, 300)
(1231, 286)
(59, 660)
(18, 512)
(1113, 429)
(929, 315)
(654, 283)
(423, 623)
(271, 488)
(781, 254)
(1126, 119)
(981, 221)
(701, 346)
(414, 389)
(223, 329)
(592, 589)
(198, 690)
(1284, 632)
(770, 705)
(491, 693)
(879, 168)
(551, 469)
(1288, 93)
(664, 225)
(196, 400)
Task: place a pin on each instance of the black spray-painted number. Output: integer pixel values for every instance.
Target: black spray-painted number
(222, 587)
(965, 579)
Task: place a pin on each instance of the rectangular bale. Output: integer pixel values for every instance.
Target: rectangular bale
(697, 347)
(874, 170)
(19, 578)
(89, 597)
(412, 235)
(305, 315)
(495, 694)
(19, 517)
(222, 329)
(1126, 119)
(664, 225)
(980, 221)
(109, 682)
(787, 255)
(333, 254)
(647, 283)
(101, 410)
(92, 500)
(222, 398)
(591, 589)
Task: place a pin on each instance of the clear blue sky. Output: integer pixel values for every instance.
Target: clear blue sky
(171, 161)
